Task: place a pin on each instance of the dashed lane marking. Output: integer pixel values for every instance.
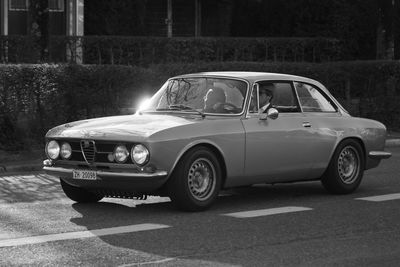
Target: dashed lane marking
(265, 212)
(148, 262)
(381, 197)
(81, 234)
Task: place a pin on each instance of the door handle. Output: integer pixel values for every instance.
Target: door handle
(306, 124)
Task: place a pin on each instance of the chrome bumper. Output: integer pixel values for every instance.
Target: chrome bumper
(379, 155)
(67, 172)
(58, 170)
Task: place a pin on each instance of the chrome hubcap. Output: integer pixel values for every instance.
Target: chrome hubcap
(201, 179)
(349, 165)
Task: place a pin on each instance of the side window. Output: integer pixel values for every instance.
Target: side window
(22, 5)
(18, 5)
(280, 95)
(312, 100)
(56, 5)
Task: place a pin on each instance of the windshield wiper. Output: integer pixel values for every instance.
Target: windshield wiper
(184, 107)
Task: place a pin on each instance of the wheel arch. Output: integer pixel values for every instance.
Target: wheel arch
(355, 138)
(332, 180)
(214, 149)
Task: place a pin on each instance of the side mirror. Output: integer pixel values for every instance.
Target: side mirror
(271, 113)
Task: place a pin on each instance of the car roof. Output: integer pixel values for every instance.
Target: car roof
(250, 76)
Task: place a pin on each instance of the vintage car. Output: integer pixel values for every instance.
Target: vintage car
(204, 132)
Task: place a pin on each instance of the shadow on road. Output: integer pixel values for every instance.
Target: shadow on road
(29, 188)
(195, 234)
(112, 212)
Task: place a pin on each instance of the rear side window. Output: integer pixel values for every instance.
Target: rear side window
(312, 99)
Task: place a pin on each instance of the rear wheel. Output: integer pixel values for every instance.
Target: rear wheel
(196, 180)
(78, 194)
(346, 169)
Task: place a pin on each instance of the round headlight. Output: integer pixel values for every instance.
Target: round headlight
(140, 154)
(121, 153)
(66, 151)
(53, 149)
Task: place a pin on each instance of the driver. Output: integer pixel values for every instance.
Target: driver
(214, 100)
(265, 96)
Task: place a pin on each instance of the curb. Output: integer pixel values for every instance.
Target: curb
(392, 143)
(38, 166)
(21, 168)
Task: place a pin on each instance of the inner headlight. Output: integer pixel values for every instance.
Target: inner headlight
(53, 149)
(66, 151)
(121, 153)
(140, 154)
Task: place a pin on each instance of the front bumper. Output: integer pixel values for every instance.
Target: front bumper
(67, 173)
(112, 180)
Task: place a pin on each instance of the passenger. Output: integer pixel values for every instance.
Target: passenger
(214, 100)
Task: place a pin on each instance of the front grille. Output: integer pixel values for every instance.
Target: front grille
(88, 151)
(92, 153)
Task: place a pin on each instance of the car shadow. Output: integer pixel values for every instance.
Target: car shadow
(206, 225)
(112, 212)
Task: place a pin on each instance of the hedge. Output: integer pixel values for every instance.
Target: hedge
(142, 51)
(34, 98)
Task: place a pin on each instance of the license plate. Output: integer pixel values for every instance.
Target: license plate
(85, 175)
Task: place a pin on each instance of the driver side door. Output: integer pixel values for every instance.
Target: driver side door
(277, 150)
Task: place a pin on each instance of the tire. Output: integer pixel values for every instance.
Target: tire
(78, 194)
(346, 168)
(196, 180)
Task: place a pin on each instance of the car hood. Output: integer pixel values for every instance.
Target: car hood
(129, 127)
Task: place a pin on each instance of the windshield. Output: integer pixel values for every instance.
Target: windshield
(202, 95)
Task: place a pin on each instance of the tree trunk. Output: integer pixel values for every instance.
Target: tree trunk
(396, 29)
(225, 8)
(39, 26)
(141, 15)
(385, 30)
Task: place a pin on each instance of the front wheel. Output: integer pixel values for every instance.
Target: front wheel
(346, 169)
(196, 180)
(78, 194)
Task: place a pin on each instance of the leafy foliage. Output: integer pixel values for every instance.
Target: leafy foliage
(34, 98)
(143, 51)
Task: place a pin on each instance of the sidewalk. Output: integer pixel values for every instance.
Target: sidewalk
(33, 160)
(21, 161)
(393, 139)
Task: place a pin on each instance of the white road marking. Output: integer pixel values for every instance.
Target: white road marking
(265, 212)
(147, 262)
(81, 234)
(381, 197)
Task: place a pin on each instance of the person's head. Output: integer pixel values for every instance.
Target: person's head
(265, 94)
(213, 96)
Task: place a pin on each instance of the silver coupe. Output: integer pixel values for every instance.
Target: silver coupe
(204, 132)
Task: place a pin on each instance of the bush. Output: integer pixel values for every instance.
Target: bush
(368, 89)
(35, 98)
(142, 51)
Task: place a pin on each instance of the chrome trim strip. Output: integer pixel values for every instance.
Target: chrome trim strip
(108, 174)
(85, 149)
(379, 155)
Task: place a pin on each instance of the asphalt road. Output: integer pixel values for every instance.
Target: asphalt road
(280, 225)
